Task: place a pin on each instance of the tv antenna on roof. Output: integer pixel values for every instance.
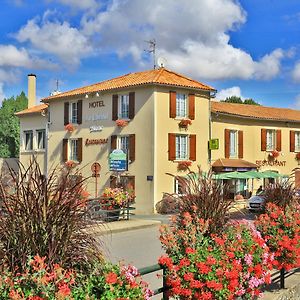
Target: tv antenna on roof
(152, 46)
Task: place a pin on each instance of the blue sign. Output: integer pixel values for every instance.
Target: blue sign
(118, 161)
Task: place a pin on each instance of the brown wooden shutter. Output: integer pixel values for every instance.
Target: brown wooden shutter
(172, 104)
(79, 112)
(192, 106)
(193, 147)
(172, 146)
(278, 140)
(292, 141)
(227, 143)
(131, 105)
(113, 142)
(297, 178)
(79, 150)
(66, 113)
(132, 147)
(115, 107)
(65, 150)
(240, 144)
(263, 139)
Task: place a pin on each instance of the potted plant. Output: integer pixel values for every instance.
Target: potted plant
(274, 154)
(70, 164)
(121, 123)
(113, 200)
(183, 165)
(69, 127)
(184, 123)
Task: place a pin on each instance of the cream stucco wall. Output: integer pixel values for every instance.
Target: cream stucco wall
(32, 122)
(252, 141)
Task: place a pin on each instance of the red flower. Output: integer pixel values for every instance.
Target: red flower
(64, 289)
(111, 278)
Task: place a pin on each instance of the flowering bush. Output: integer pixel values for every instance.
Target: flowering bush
(121, 123)
(40, 282)
(183, 165)
(198, 266)
(281, 230)
(184, 123)
(116, 197)
(274, 154)
(70, 127)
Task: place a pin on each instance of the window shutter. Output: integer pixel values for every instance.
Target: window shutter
(132, 147)
(65, 150)
(193, 147)
(79, 150)
(292, 141)
(113, 142)
(192, 106)
(172, 104)
(240, 144)
(278, 140)
(131, 105)
(114, 107)
(227, 143)
(172, 141)
(79, 112)
(263, 139)
(66, 113)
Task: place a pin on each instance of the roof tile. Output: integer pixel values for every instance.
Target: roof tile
(32, 110)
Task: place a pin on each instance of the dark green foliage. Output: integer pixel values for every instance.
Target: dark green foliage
(9, 125)
(46, 217)
(235, 99)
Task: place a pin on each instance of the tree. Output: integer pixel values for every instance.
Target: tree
(10, 126)
(236, 99)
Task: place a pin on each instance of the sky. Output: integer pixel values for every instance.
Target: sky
(246, 48)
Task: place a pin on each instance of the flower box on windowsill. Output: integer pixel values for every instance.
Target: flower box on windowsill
(274, 154)
(184, 123)
(69, 127)
(121, 123)
(70, 164)
(183, 165)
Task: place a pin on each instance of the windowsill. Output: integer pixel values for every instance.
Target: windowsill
(181, 118)
(33, 151)
(27, 151)
(181, 160)
(40, 150)
(125, 119)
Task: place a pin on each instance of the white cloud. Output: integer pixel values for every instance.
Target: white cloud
(232, 91)
(296, 72)
(55, 38)
(78, 4)
(194, 36)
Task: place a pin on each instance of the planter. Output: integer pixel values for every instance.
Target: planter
(112, 215)
(184, 123)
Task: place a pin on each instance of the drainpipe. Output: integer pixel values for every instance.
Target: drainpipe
(211, 95)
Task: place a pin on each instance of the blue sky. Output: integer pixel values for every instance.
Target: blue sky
(246, 48)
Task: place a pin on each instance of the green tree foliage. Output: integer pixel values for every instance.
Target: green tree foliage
(10, 126)
(235, 99)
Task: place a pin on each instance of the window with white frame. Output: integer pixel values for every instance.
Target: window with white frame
(297, 141)
(123, 143)
(74, 112)
(181, 147)
(181, 105)
(233, 143)
(123, 107)
(271, 140)
(73, 149)
(28, 140)
(40, 139)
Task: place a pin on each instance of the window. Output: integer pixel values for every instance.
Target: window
(123, 143)
(233, 144)
(73, 152)
(123, 107)
(40, 135)
(181, 148)
(297, 141)
(270, 140)
(74, 113)
(181, 105)
(28, 139)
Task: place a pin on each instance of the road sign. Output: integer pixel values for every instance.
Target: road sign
(118, 161)
(96, 168)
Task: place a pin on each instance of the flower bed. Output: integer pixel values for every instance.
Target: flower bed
(224, 266)
(281, 230)
(183, 165)
(184, 123)
(116, 198)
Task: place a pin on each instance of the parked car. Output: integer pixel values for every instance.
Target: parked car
(256, 203)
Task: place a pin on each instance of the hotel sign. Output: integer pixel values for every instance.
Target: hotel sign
(118, 161)
(271, 163)
(96, 104)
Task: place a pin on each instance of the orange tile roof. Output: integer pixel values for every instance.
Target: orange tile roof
(160, 76)
(32, 110)
(256, 111)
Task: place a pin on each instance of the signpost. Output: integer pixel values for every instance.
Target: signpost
(118, 161)
(96, 168)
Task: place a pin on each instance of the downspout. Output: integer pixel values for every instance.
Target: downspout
(211, 95)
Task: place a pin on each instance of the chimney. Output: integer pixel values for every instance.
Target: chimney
(31, 90)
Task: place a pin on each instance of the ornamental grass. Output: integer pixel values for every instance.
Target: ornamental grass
(46, 217)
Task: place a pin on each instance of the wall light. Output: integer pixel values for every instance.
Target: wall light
(86, 96)
(97, 94)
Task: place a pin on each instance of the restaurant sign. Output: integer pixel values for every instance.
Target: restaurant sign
(95, 141)
(118, 160)
(271, 163)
